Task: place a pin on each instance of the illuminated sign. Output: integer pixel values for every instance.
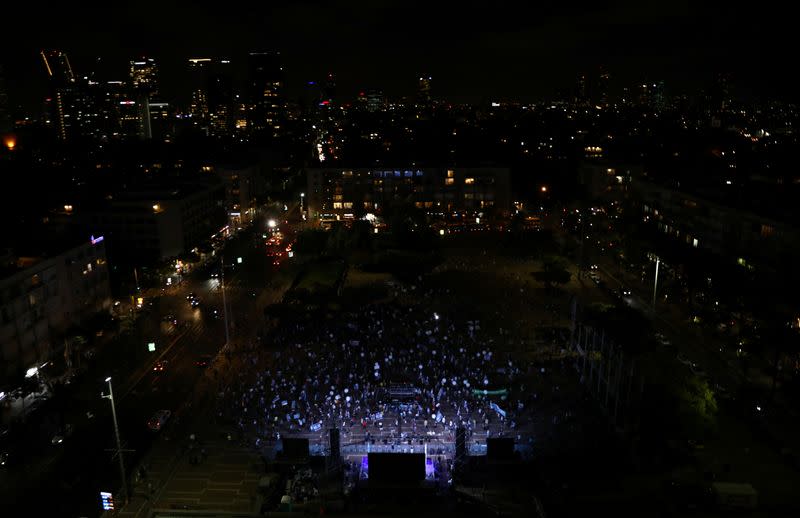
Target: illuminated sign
(94, 240)
(151, 346)
(108, 501)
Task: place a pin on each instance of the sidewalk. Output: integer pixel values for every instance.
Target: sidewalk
(211, 472)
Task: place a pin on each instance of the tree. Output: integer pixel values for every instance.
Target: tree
(311, 242)
(554, 271)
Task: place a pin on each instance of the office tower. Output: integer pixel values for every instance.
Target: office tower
(645, 94)
(198, 76)
(58, 68)
(601, 97)
(721, 94)
(659, 100)
(212, 104)
(72, 103)
(220, 97)
(375, 101)
(582, 95)
(144, 76)
(329, 89)
(5, 111)
(265, 85)
(62, 89)
(144, 85)
(424, 89)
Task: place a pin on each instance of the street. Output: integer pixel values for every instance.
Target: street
(71, 474)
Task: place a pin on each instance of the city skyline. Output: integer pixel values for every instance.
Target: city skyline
(537, 54)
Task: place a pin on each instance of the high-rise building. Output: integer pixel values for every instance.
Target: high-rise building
(5, 112)
(329, 89)
(62, 92)
(144, 83)
(58, 68)
(375, 101)
(144, 75)
(659, 99)
(424, 89)
(582, 95)
(220, 97)
(212, 105)
(198, 107)
(602, 89)
(265, 85)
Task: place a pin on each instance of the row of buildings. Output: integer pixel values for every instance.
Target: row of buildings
(44, 294)
(345, 193)
(85, 107)
(753, 237)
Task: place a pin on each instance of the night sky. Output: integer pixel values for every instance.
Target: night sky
(475, 51)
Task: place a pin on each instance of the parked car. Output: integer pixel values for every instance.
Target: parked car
(158, 420)
(160, 366)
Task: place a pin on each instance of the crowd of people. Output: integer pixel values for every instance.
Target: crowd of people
(309, 376)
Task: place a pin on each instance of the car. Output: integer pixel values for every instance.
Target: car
(170, 319)
(57, 439)
(593, 267)
(158, 420)
(214, 275)
(191, 296)
(195, 302)
(595, 278)
(160, 366)
(203, 361)
(625, 292)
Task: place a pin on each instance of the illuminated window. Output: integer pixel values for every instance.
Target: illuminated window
(695, 242)
(469, 181)
(450, 173)
(348, 205)
(767, 230)
(337, 205)
(449, 181)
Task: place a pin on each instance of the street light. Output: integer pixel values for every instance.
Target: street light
(224, 303)
(110, 396)
(655, 283)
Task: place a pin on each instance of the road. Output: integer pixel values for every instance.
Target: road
(71, 474)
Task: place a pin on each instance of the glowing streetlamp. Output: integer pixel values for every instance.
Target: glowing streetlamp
(110, 396)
